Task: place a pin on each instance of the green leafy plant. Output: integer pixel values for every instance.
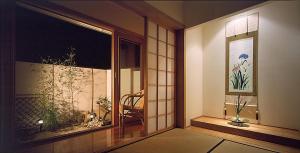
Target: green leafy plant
(57, 93)
(46, 87)
(105, 103)
(71, 78)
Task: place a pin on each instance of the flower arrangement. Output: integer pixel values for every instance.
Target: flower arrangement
(239, 105)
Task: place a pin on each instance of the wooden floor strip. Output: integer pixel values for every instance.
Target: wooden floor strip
(235, 147)
(252, 146)
(277, 135)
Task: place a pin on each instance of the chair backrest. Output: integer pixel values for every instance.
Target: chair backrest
(140, 102)
(136, 100)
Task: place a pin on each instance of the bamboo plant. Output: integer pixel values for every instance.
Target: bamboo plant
(58, 90)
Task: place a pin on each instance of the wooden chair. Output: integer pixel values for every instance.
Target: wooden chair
(131, 106)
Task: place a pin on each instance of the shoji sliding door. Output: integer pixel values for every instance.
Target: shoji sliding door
(170, 79)
(152, 76)
(161, 77)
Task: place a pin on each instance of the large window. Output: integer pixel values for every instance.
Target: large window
(63, 77)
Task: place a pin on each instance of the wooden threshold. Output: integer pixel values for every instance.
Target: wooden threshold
(277, 135)
(137, 139)
(96, 141)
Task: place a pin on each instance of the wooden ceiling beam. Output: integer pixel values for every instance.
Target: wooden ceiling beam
(144, 9)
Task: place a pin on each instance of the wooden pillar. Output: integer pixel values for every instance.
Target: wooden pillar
(116, 83)
(7, 74)
(180, 103)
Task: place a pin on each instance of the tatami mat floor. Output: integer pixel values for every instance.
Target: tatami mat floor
(245, 140)
(233, 147)
(198, 140)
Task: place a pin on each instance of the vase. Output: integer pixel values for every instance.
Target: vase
(237, 117)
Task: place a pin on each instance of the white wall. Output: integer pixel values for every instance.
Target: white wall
(29, 76)
(278, 63)
(194, 74)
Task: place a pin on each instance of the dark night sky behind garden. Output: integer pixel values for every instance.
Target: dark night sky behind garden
(40, 36)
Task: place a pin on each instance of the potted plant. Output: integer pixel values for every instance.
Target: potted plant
(105, 103)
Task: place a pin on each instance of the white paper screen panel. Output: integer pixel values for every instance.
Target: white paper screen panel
(152, 109)
(170, 106)
(152, 93)
(162, 35)
(171, 78)
(171, 94)
(171, 38)
(151, 124)
(152, 29)
(162, 63)
(161, 122)
(162, 78)
(170, 120)
(171, 53)
(152, 45)
(152, 61)
(152, 50)
(161, 92)
(162, 107)
(162, 48)
(152, 77)
(171, 65)
(242, 25)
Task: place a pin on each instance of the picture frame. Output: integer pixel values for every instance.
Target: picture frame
(241, 64)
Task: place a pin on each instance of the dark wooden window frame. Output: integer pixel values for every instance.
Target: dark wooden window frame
(8, 52)
(7, 63)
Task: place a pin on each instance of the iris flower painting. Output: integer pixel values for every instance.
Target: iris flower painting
(241, 65)
(240, 77)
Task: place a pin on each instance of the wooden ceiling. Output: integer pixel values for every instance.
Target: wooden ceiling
(144, 9)
(194, 12)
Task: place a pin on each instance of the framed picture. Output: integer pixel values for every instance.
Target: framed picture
(241, 64)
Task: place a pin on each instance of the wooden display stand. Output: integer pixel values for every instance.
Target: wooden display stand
(277, 135)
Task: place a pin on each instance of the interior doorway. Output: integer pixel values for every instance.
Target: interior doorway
(130, 74)
(130, 107)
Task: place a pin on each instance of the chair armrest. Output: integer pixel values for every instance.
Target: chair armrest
(121, 109)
